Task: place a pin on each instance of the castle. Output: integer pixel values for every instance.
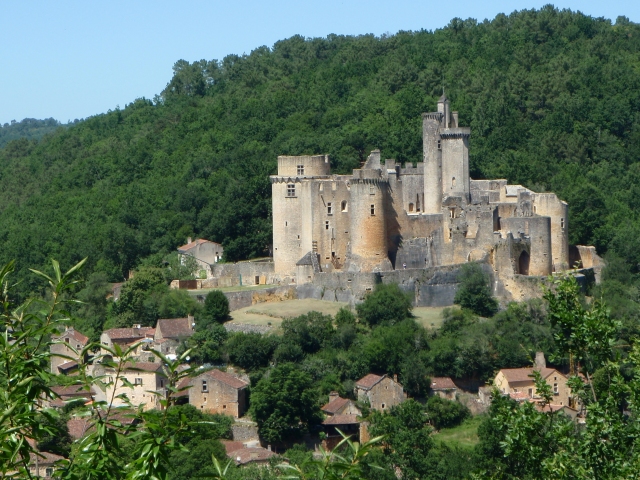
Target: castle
(412, 225)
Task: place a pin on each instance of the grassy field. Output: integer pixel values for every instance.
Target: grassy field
(275, 312)
(465, 435)
(237, 288)
(429, 317)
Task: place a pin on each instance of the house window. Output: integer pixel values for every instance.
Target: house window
(562, 223)
(204, 386)
(343, 206)
(329, 209)
(137, 381)
(326, 225)
(48, 472)
(531, 393)
(383, 406)
(300, 169)
(411, 207)
(66, 340)
(161, 383)
(291, 190)
(224, 407)
(373, 209)
(257, 279)
(555, 389)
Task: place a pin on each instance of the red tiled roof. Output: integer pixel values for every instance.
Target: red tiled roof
(73, 333)
(143, 366)
(175, 327)
(524, 374)
(519, 396)
(369, 381)
(225, 378)
(341, 420)
(335, 405)
(553, 408)
(78, 426)
(72, 391)
(129, 333)
(184, 383)
(231, 446)
(442, 383)
(68, 365)
(197, 241)
(44, 458)
(246, 455)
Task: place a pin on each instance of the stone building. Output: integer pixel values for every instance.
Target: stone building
(125, 336)
(65, 349)
(385, 217)
(443, 387)
(219, 392)
(204, 252)
(144, 377)
(340, 406)
(382, 392)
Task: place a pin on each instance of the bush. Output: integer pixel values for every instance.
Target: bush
(216, 308)
(386, 305)
(443, 413)
(474, 292)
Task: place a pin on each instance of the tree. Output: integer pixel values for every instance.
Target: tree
(474, 292)
(443, 413)
(386, 305)
(284, 404)
(309, 331)
(216, 309)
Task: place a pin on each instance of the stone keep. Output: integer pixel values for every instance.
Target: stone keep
(386, 217)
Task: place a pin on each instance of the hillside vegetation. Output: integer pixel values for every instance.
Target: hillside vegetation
(29, 128)
(552, 98)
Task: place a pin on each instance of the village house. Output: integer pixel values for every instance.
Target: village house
(518, 383)
(340, 406)
(444, 387)
(67, 394)
(144, 377)
(382, 392)
(204, 252)
(244, 455)
(219, 392)
(125, 336)
(65, 351)
(170, 332)
(43, 464)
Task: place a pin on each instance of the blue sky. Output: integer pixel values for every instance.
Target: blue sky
(72, 59)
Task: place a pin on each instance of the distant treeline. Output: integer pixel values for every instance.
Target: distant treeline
(30, 128)
(552, 98)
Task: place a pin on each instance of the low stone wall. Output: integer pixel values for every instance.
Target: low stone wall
(243, 273)
(244, 431)
(247, 328)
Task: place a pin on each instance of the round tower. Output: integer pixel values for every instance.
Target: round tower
(368, 250)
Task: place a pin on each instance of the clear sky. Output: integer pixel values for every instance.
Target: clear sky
(71, 59)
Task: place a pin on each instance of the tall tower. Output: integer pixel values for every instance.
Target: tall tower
(432, 158)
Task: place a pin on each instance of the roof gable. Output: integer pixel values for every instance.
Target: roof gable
(442, 383)
(525, 374)
(175, 327)
(335, 405)
(368, 381)
(127, 334)
(223, 377)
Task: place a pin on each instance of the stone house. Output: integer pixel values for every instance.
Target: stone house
(219, 392)
(43, 464)
(518, 383)
(347, 424)
(382, 392)
(444, 387)
(65, 394)
(204, 252)
(145, 378)
(125, 336)
(340, 406)
(242, 454)
(170, 332)
(64, 344)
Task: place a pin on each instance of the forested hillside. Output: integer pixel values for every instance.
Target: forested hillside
(29, 128)
(552, 97)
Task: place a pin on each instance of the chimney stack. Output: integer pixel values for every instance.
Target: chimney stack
(395, 377)
(333, 395)
(188, 239)
(540, 361)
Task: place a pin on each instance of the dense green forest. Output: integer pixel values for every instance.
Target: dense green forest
(29, 128)
(552, 97)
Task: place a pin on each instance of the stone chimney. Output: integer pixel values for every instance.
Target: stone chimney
(395, 377)
(540, 361)
(188, 239)
(333, 395)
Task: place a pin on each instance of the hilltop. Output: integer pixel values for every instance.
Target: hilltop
(552, 98)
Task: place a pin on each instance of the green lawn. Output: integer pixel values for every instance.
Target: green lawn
(237, 288)
(465, 435)
(275, 312)
(429, 317)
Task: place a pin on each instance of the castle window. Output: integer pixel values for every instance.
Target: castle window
(439, 145)
(291, 190)
(326, 225)
(373, 209)
(329, 209)
(343, 206)
(562, 223)
(535, 209)
(286, 224)
(204, 386)
(411, 207)
(418, 203)
(453, 182)
(300, 169)
(372, 190)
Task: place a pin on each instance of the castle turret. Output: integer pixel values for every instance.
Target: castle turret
(432, 158)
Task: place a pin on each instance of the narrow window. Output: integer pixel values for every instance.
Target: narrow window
(224, 407)
(418, 203)
(204, 386)
(329, 209)
(531, 393)
(286, 224)
(66, 340)
(555, 388)
(343, 206)
(453, 182)
(326, 225)
(562, 223)
(411, 207)
(257, 279)
(373, 209)
(291, 190)
(383, 406)
(535, 209)
(439, 145)
(300, 169)
(372, 190)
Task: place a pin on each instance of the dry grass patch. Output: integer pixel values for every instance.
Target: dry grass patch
(274, 312)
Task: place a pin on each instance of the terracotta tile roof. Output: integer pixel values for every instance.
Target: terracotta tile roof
(523, 374)
(225, 378)
(519, 396)
(129, 333)
(369, 381)
(174, 327)
(231, 446)
(197, 241)
(73, 333)
(246, 455)
(553, 408)
(68, 365)
(341, 420)
(72, 391)
(143, 366)
(184, 383)
(78, 426)
(442, 383)
(335, 405)
(44, 458)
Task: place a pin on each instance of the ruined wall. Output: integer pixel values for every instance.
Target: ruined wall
(455, 162)
(243, 273)
(548, 204)
(538, 229)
